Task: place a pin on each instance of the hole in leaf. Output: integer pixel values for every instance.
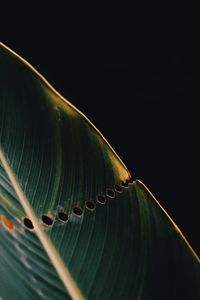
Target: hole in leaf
(7, 222)
(47, 220)
(130, 180)
(63, 217)
(101, 199)
(110, 193)
(90, 205)
(77, 211)
(28, 223)
(124, 184)
(118, 188)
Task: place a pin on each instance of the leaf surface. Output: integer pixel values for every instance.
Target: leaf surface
(112, 236)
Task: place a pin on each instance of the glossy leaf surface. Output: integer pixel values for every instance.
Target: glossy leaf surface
(112, 236)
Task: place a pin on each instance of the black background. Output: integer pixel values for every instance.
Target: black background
(148, 109)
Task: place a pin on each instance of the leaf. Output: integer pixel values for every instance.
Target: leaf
(60, 181)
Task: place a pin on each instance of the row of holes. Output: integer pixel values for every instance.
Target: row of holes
(90, 205)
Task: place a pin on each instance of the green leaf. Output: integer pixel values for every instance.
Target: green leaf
(72, 225)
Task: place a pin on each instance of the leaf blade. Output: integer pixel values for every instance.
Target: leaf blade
(61, 269)
(125, 248)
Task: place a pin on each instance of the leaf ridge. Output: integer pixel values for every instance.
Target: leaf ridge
(61, 269)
